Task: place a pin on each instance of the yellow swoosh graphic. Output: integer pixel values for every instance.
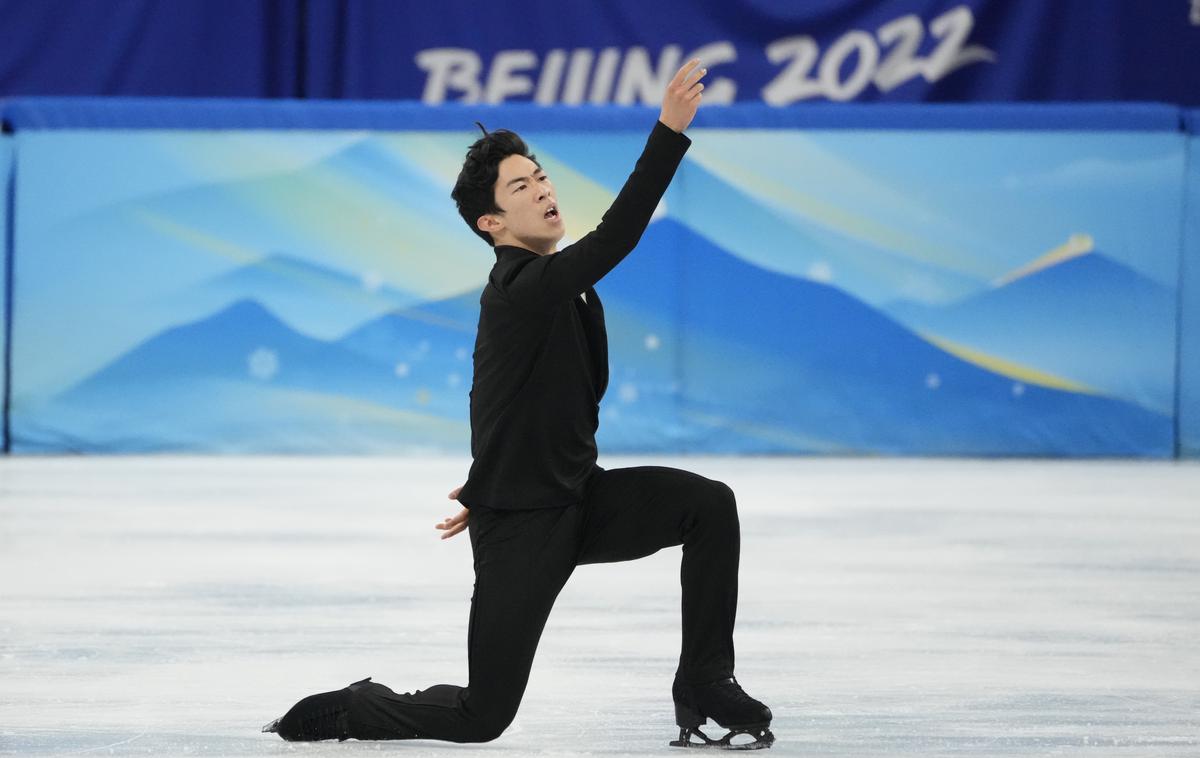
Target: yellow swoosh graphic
(1007, 368)
(196, 237)
(1075, 246)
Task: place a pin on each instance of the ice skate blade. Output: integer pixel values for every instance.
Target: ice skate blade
(762, 739)
(273, 727)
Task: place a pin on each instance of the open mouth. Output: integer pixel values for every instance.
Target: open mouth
(551, 212)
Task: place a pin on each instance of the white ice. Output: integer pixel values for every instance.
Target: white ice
(172, 606)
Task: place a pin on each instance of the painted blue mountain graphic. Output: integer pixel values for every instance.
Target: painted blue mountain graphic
(753, 227)
(244, 378)
(742, 359)
(362, 211)
(282, 275)
(313, 297)
(640, 410)
(353, 190)
(430, 343)
(221, 347)
(774, 363)
(1087, 318)
(749, 226)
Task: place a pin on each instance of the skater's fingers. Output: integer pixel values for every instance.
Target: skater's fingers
(453, 530)
(452, 525)
(684, 72)
(454, 493)
(455, 527)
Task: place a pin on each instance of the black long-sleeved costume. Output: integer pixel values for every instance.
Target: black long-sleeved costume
(541, 354)
(540, 371)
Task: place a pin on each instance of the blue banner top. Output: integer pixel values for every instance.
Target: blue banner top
(39, 113)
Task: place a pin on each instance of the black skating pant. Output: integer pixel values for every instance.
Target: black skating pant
(522, 561)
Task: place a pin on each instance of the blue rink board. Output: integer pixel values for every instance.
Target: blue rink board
(975, 286)
(6, 169)
(1189, 325)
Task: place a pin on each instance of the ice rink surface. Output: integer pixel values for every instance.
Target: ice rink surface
(172, 606)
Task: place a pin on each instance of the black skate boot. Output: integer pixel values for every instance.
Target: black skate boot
(331, 715)
(726, 703)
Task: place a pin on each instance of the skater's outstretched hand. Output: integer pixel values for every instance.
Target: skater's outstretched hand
(682, 97)
(452, 525)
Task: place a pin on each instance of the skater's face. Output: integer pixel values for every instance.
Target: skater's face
(529, 216)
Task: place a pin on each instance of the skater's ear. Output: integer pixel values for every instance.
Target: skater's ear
(490, 223)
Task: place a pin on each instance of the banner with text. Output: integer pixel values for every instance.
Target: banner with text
(779, 52)
(782, 53)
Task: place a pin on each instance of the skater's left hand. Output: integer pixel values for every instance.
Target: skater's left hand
(452, 525)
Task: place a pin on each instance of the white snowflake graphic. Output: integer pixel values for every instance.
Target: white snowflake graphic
(372, 281)
(820, 272)
(263, 364)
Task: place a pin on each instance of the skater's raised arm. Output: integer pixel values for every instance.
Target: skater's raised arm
(551, 278)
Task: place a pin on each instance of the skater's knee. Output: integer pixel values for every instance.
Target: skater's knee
(487, 729)
(723, 499)
(724, 494)
(489, 725)
(713, 508)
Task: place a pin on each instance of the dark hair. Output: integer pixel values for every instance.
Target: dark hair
(475, 191)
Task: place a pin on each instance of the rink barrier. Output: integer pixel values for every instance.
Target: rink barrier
(120, 115)
(1188, 386)
(8, 172)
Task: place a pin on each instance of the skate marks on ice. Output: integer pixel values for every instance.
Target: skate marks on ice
(172, 606)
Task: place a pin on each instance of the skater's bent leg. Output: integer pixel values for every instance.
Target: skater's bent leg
(522, 560)
(633, 512)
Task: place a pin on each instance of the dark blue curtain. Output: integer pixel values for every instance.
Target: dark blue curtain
(781, 50)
